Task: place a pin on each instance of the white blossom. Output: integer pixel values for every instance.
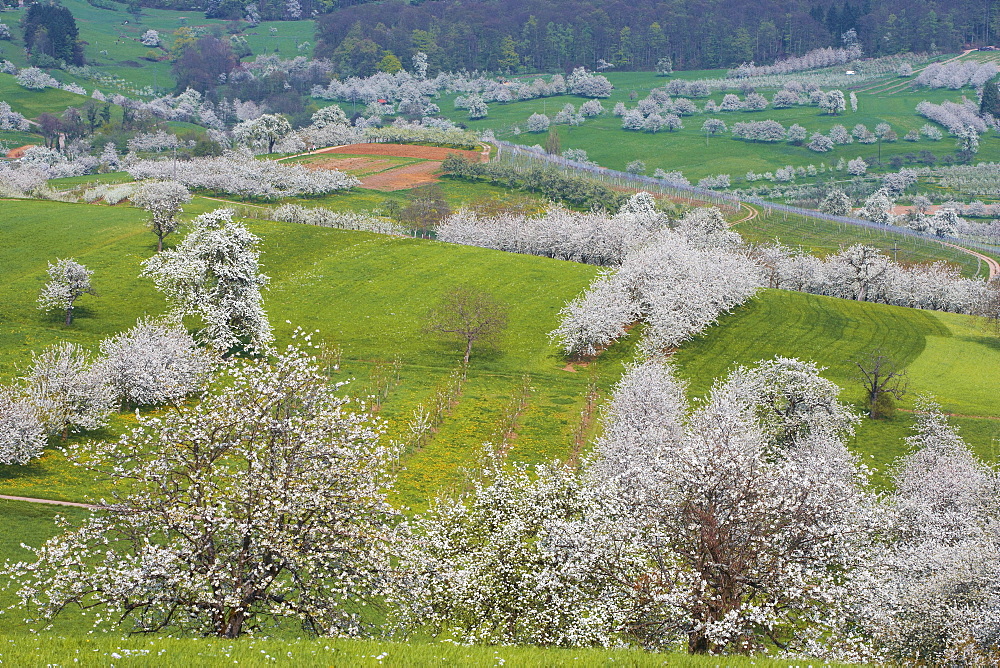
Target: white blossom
(154, 363)
(68, 281)
(22, 434)
(11, 120)
(162, 199)
(214, 274)
(68, 389)
(33, 78)
(262, 133)
(264, 501)
(240, 174)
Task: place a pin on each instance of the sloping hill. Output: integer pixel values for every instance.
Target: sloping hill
(366, 295)
(948, 356)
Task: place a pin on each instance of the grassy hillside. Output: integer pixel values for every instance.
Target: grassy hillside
(948, 356)
(31, 103)
(111, 43)
(366, 294)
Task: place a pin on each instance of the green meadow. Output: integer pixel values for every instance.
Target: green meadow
(111, 43)
(949, 357)
(366, 297)
(366, 294)
(697, 156)
(822, 237)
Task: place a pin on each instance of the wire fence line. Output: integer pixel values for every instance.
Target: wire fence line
(523, 156)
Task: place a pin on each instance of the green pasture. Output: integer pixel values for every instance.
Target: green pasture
(950, 357)
(12, 139)
(117, 33)
(688, 149)
(31, 103)
(366, 294)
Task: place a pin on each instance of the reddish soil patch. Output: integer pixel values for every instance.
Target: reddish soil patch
(403, 178)
(404, 151)
(19, 151)
(903, 210)
(361, 165)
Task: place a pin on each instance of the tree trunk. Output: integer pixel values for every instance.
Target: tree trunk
(468, 351)
(697, 643)
(159, 243)
(234, 625)
(69, 316)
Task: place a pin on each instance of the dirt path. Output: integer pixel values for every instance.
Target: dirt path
(226, 201)
(752, 213)
(50, 502)
(993, 265)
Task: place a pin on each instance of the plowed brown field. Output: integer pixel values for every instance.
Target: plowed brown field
(401, 178)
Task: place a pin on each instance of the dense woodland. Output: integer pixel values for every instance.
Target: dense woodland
(634, 35)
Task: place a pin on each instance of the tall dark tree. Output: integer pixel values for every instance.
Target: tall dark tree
(991, 98)
(50, 30)
(49, 126)
(555, 35)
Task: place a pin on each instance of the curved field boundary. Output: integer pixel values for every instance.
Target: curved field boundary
(623, 179)
(891, 88)
(751, 214)
(403, 151)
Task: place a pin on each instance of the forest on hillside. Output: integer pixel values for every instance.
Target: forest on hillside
(534, 35)
(539, 35)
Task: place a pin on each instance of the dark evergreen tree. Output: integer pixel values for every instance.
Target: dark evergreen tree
(991, 98)
(50, 31)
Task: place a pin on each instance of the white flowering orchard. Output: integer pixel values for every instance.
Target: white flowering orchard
(264, 501)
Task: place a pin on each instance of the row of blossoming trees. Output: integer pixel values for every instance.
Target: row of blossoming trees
(679, 276)
(740, 524)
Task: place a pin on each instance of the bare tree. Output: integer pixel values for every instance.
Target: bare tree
(882, 377)
(472, 315)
